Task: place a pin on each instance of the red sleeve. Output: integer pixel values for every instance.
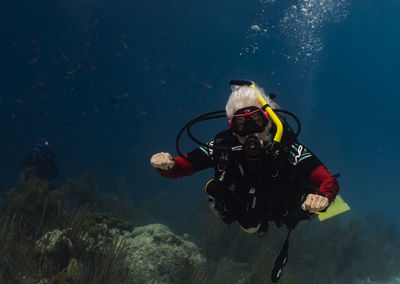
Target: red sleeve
(325, 182)
(182, 167)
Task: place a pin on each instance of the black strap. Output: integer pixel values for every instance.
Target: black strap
(281, 260)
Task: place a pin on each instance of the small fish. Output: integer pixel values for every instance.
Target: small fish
(44, 95)
(72, 70)
(62, 53)
(20, 101)
(41, 84)
(160, 65)
(255, 28)
(126, 95)
(163, 82)
(119, 54)
(91, 68)
(115, 99)
(53, 66)
(98, 35)
(124, 43)
(207, 85)
(95, 21)
(33, 60)
(87, 44)
(36, 42)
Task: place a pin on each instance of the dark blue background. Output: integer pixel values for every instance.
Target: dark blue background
(346, 94)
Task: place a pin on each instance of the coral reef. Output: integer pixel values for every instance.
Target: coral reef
(75, 234)
(42, 242)
(332, 251)
(156, 255)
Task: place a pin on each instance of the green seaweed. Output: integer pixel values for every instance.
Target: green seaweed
(320, 252)
(80, 192)
(31, 211)
(329, 252)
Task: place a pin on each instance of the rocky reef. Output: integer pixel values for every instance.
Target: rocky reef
(156, 255)
(71, 234)
(43, 243)
(151, 253)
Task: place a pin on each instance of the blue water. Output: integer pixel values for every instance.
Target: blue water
(333, 63)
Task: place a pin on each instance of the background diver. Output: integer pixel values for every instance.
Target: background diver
(40, 163)
(261, 172)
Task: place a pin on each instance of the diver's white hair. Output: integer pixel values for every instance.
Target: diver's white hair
(244, 96)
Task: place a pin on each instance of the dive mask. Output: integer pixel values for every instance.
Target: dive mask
(248, 120)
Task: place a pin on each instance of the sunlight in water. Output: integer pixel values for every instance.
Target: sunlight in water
(304, 22)
(301, 26)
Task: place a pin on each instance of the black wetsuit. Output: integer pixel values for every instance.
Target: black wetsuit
(40, 163)
(254, 192)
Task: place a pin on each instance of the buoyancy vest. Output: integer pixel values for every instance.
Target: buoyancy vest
(254, 192)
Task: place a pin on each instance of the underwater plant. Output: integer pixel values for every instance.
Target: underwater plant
(29, 212)
(40, 242)
(79, 192)
(332, 251)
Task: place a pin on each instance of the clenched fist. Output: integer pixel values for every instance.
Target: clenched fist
(314, 203)
(162, 161)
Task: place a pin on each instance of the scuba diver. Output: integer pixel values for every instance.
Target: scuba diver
(261, 172)
(40, 163)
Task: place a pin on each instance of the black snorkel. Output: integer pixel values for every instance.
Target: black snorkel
(253, 148)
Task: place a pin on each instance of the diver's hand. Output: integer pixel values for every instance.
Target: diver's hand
(162, 161)
(315, 203)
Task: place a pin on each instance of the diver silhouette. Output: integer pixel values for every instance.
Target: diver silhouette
(40, 163)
